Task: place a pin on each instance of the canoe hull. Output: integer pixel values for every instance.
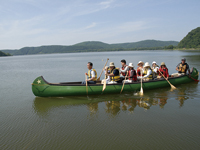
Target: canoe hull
(42, 88)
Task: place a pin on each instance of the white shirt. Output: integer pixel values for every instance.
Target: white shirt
(92, 74)
(155, 69)
(146, 76)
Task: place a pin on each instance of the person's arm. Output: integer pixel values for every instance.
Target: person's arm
(125, 69)
(167, 73)
(188, 68)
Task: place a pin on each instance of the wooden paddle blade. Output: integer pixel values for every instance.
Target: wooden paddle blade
(141, 91)
(104, 85)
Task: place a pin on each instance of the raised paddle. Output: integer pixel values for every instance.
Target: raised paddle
(173, 87)
(141, 90)
(86, 84)
(124, 83)
(102, 70)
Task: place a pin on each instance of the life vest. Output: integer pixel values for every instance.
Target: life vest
(123, 73)
(114, 78)
(182, 68)
(164, 71)
(145, 73)
(138, 72)
(134, 78)
(90, 76)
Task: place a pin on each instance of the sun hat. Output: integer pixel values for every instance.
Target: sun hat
(162, 64)
(140, 62)
(131, 65)
(154, 62)
(146, 65)
(112, 64)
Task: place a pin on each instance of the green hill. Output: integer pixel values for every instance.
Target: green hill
(192, 39)
(146, 44)
(92, 46)
(4, 54)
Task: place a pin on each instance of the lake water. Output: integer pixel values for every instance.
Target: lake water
(161, 119)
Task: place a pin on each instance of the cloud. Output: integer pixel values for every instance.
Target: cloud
(91, 25)
(106, 4)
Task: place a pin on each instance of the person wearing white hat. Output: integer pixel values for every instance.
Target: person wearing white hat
(113, 73)
(155, 69)
(147, 72)
(132, 75)
(164, 70)
(183, 67)
(140, 68)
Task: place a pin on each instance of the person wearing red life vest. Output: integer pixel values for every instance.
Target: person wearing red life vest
(140, 68)
(124, 68)
(132, 76)
(164, 70)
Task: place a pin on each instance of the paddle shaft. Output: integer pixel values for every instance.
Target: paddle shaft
(124, 82)
(193, 79)
(102, 70)
(86, 83)
(172, 86)
(141, 90)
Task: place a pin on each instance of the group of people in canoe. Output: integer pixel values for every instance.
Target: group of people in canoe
(128, 74)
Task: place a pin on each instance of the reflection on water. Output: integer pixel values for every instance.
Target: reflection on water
(115, 104)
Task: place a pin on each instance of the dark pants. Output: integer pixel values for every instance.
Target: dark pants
(89, 82)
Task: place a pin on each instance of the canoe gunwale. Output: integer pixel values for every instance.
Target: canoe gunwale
(79, 83)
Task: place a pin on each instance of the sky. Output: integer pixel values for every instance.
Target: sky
(66, 22)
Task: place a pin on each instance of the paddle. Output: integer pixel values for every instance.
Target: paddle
(124, 82)
(102, 70)
(193, 78)
(141, 90)
(86, 84)
(173, 87)
(104, 84)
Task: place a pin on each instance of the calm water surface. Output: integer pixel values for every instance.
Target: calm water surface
(161, 119)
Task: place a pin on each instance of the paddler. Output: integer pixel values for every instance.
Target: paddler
(183, 67)
(92, 74)
(113, 73)
(147, 72)
(124, 68)
(155, 69)
(164, 70)
(140, 68)
(132, 75)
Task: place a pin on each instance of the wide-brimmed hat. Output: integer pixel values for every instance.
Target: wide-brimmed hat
(140, 62)
(146, 65)
(112, 64)
(162, 64)
(154, 62)
(131, 65)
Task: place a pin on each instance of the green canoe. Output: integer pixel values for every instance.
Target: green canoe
(42, 88)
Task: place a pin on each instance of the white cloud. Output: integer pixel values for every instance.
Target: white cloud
(91, 25)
